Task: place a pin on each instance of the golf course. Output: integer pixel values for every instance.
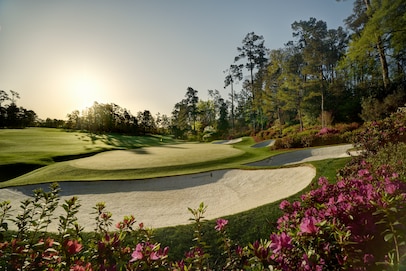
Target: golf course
(154, 177)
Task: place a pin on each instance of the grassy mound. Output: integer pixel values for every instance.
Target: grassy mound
(46, 154)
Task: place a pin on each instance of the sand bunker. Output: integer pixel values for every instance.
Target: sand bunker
(163, 202)
(307, 155)
(228, 142)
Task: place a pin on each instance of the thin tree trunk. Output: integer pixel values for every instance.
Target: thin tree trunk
(384, 64)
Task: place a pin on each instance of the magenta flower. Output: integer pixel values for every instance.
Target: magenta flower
(390, 187)
(73, 246)
(137, 254)
(221, 223)
(280, 241)
(308, 225)
(284, 204)
(149, 251)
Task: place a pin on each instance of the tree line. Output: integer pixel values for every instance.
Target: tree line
(111, 118)
(12, 116)
(322, 76)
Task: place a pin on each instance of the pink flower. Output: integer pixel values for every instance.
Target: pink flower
(284, 204)
(280, 241)
(308, 225)
(137, 254)
(368, 258)
(239, 250)
(390, 187)
(73, 247)
(221, 223)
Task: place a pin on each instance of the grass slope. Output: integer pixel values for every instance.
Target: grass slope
(24, 150)
(150, 161)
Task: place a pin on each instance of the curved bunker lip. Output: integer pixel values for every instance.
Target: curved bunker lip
(306, 155)
(163, 202)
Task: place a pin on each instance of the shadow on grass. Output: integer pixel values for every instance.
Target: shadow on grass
(127, 141)
(63, 158)
(159, 184)
(14, 170)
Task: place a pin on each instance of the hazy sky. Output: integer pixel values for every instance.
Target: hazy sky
(64, 55)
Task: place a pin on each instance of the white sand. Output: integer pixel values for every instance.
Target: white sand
(164, 201)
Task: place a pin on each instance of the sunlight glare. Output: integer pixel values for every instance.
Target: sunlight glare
(86, 91)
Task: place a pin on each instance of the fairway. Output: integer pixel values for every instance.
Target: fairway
(43, 145)
(48, 145)
(168, 155)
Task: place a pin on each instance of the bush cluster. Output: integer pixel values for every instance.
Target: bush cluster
(357, 222)
(291, 137)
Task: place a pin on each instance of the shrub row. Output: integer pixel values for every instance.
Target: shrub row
(291, 137)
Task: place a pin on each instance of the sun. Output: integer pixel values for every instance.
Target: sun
(85, 91)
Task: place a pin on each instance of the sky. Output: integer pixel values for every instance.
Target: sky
(61, 56)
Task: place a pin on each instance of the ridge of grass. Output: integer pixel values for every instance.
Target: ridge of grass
(64, 171)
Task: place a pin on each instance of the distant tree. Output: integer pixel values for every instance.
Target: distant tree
(146, 122)
(233, 73)
(321, 49)
(54, 123)
(292, 93)
(220, 111)
(162, 123)
(255, 53)
(3, 97)
(14, 96)
(207, 114)
(191, 100)
(180, 119)
(222, 122)
(273, 83)
(73, 120)
(104, 118)
(29, 117)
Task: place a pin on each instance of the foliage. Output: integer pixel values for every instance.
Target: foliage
(12, 116)
(376, 134)
(314, 137)
(111, 118)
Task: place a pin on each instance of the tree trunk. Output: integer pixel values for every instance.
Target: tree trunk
(384, 64)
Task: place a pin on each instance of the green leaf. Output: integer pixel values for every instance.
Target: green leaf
(388, 237)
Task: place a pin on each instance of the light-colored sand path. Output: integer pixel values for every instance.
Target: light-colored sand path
(164, 201)
(307, 155)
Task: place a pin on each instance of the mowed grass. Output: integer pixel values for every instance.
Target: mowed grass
(44, 146)
(144, 157)
(24, 150)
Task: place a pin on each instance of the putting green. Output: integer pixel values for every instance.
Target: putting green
(168, 155)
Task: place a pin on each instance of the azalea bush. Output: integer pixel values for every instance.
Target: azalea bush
(376, 134)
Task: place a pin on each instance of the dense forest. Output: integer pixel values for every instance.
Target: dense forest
(321, 77)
